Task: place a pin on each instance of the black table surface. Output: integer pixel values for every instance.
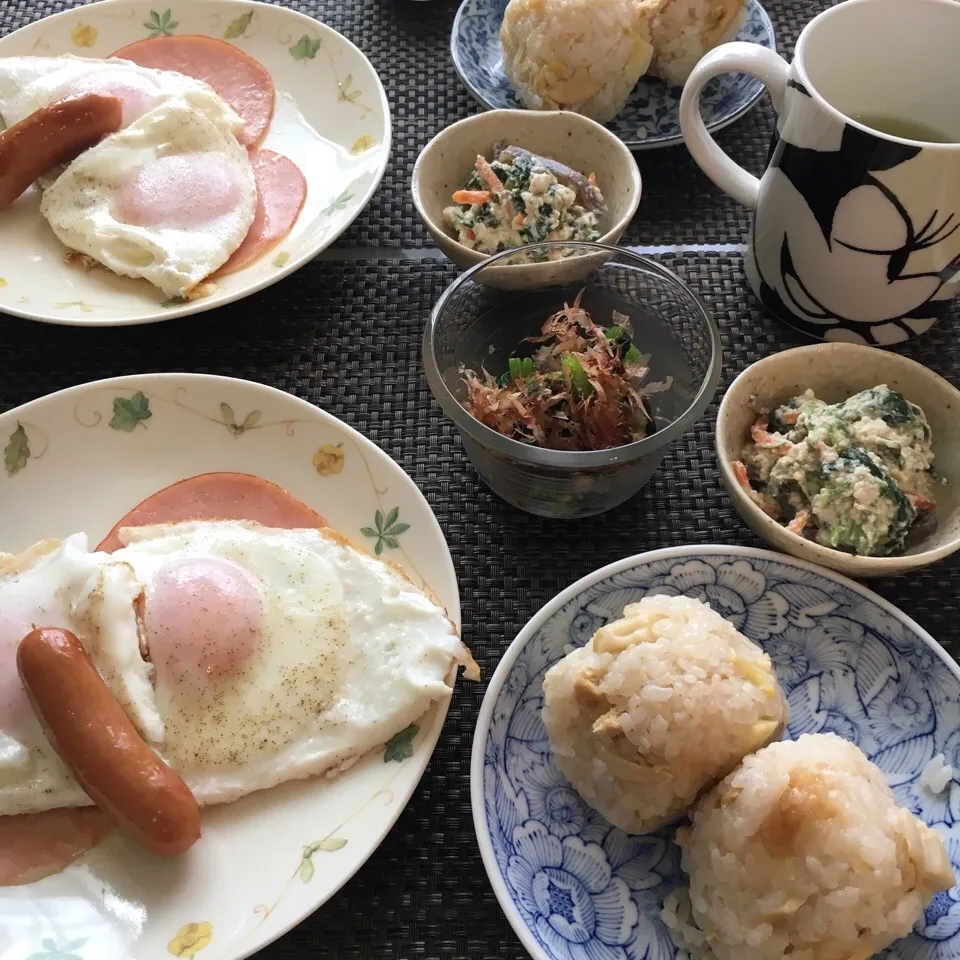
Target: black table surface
(344, 333)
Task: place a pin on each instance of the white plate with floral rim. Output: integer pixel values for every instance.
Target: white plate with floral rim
(77, 460)
(332, 119)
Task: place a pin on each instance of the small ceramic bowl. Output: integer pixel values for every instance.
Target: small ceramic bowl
(447, 161)
(835, 371)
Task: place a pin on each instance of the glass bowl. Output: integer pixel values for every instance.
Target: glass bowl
(475, 326)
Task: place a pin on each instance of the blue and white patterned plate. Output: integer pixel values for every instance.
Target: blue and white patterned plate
(651, 117)
(575, 888)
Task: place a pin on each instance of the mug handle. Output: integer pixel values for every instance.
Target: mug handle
(771, 70)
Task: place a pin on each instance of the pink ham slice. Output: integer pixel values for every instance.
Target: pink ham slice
(281, 192)
(239, 79)
(36, 845)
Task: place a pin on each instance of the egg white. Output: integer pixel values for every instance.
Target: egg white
(80, 205)
(29, 83)
(56, 583)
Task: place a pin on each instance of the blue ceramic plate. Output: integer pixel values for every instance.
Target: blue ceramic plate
(651, 117)
(575, 888)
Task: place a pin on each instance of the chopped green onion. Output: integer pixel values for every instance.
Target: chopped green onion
(633, 355)
(520, 368)
(614, 332)
(578, 376)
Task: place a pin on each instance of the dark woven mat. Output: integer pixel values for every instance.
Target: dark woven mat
(408, 44)
(346, 336)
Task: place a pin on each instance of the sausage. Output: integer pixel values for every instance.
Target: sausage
(54, 134)
(97, 741)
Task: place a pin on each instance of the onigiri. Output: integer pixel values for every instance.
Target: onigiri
(682, 31)
(657, 708)
(580, 55)
(802, 851)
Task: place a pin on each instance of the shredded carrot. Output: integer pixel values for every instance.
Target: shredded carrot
(765, 503)
(771, 441)
(921, 502)
(471, 196)
(519, 220)
(488, 176)
(740, 472)
(469, 235)
(799, 523)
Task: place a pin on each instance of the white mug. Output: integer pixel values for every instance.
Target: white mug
(856, 232)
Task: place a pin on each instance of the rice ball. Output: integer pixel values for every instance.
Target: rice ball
(658, 707)
(803, 851)
(580, 55)
(684, 30)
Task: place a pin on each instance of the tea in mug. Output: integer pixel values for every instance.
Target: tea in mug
(903, 128)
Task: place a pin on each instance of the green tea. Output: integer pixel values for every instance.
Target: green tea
(903, 128)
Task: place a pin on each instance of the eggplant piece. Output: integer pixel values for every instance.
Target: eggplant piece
(588, 196)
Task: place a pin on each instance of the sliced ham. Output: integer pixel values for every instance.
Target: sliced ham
(36, 845)
(218, 496)
(240, 80)
(281, 192)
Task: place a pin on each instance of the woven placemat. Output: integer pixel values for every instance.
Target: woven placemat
(408, 44)
(346, 336)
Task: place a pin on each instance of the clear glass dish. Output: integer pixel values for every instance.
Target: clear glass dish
(477, 327)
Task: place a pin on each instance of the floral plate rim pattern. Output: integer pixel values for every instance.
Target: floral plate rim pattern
(724, 100)
(575, 888)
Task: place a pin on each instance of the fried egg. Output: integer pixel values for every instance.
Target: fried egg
(168, 198)
(277, 654)
(246, 656)
(55, 583)
(28, 83)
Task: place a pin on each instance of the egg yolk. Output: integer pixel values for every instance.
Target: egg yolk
(16, 714)
(138, 94)
(203, 620)
(204, 187)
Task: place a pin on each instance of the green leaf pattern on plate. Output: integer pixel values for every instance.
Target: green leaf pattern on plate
(400, 746)
(305, 48)
(161, 24)
(330, 845)
(66, 304)
(129, 412)
(339, 203)
(17, 451)
(237, 28)
(386, 531)
(346, 94)
(230, 421)
(52, 951)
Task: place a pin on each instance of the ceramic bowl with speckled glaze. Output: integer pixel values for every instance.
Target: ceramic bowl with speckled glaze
(448, 160)
(835, 371)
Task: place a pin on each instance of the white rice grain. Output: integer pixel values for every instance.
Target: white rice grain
(936, 774)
